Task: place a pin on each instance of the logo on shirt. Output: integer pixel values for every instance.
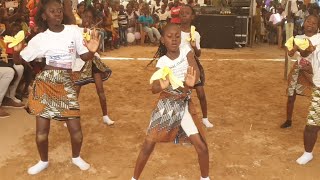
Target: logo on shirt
(71, 47)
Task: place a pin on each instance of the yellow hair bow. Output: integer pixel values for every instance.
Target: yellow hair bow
(18, 38)
(162, 73)
(192, 34)
(301, 43)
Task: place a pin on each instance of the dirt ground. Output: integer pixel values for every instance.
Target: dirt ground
(246, 103)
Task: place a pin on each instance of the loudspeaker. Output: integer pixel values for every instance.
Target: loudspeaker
(241, 28)
(217, 31)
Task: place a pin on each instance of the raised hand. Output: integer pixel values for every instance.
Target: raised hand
(190, 78)
(164, 83)
(94, 42)
(18, 47)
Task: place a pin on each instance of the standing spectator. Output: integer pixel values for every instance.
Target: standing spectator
(132, 19)
(115, 22)
(175, 10)
(155, 8)
(123, 25)
(275, 20)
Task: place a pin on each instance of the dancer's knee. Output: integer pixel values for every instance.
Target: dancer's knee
(148, 147)
(202, 149)
(41, 137)
(77, 136)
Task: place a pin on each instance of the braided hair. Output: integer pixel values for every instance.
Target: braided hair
(41, 23)
(162, 50)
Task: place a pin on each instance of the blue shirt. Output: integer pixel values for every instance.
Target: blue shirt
(146, 20)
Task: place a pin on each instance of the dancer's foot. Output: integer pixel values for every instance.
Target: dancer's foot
(3, 113)
(65, 124)
(286, 124)
(133, 178)
(207, 178)
(305, 158)
(40, 166)
(207, 123)
(107, 120)
(78, 161)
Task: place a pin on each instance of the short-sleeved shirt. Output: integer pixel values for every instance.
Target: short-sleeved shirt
(163, 16)
(175, 11)
(123, 19)
(179, 66)
(185, 42)
(275, 18)
(114, 15)
(146, 20)
(59, 48)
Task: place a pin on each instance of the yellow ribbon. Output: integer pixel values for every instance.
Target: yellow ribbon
(86, 36)
(192, 34)
(162, 73)
(18, 38)
(301, 43)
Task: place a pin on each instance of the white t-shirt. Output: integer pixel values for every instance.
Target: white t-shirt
(275, 18)
(178, 66)
(59, 49)
(315, 58)
(164, 16)
(302, 14)
(185, 36)
(315, 40)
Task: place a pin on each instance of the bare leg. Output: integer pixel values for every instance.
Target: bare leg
(203, 101)
(75, 131)
(100, 92)
(42, 133)
(290, 107)
(147, 148)
(310, 138)
(203, 154)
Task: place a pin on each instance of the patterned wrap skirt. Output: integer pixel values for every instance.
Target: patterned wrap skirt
(165, 123)
(91, 67)
(53, 96)
(313, 118)
(299, 81)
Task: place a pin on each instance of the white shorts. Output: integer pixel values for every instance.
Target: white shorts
(187, 123)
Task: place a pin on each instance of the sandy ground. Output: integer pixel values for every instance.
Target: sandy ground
(246, 102)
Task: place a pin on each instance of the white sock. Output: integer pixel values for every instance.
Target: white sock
(78, 161)
(107, 120)
(207, 123)
(40, 166)
(133, 178)
(65, 124)
(207, 178)
(305, 158)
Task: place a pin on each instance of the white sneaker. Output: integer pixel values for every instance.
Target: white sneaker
(40, 166)
(107, 120)
(207, 123)
(16, 100)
